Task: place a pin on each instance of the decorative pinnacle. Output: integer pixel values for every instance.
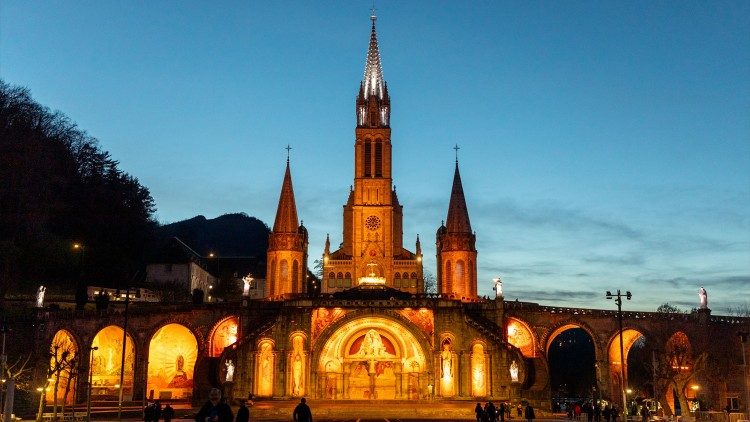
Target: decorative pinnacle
(288, 149)
(373, 16)
(456, 148)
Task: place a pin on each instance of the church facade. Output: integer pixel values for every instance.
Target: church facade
(370, 332)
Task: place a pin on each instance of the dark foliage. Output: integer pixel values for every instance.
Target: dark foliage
(59, 187)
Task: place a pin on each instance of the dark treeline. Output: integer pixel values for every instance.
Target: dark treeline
(58, 187)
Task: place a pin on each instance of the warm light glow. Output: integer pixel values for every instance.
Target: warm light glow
(63, 351)
(521, 336)
(629, 337)
(107, 361)
(211, 255)
(264, 369)
(629, 391)
(225, 334)
(371, 280)
(77, 246)
(695, 387)
(478, 371)
(40, 389)
(172, 353)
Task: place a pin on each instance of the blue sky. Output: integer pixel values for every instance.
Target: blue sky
(604, 145)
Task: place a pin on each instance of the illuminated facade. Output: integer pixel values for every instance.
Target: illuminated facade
(371, 333)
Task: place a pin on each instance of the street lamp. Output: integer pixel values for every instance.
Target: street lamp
(618, 300)
(743, 335)
(91, 380)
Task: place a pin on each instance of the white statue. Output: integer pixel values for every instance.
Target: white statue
(246, 280)
(40, 296)
(703, 297)
(498, 288)
(446, 379)
(514, 371)
(230, 370)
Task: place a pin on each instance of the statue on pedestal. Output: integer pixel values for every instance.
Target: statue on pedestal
(230, 370)
(703, 298)
(498, 288)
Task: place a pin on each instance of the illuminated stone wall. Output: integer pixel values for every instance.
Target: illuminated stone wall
(107, 361)
(224, 334)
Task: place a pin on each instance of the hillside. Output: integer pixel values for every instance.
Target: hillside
(227, 235)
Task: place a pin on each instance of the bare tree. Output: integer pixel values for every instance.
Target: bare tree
(62, 355)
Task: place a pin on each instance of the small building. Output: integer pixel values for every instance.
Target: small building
(179, 268)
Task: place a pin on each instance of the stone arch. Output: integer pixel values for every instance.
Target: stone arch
(582, 346)
(479, 369)
(224, 333)
(265, 367)
(556, 330)
(383, 344)
(64, 356)
(172, 355)
(105, 372)
(522, 336)
(629, 337)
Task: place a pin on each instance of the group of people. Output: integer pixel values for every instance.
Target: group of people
(492, 413)
(217, 410)
(593, 412)
(153, 412)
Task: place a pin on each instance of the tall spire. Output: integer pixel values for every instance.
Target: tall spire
(286, 214)
(458, 214)
(373, 79)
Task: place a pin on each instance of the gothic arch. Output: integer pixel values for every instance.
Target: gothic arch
(107, 361)
(172, 358)
(556, 330)
(224, 333)
(64, 352)
(520, 335)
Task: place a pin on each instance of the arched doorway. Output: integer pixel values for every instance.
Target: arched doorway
(107, 359)
(172, 353)
(223, 335)
(63, 368)
(373, 358)
(572, 357)
(634, 382)
(521, 336)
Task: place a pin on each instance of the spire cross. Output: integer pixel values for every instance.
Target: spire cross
(372, 12)
(456, 148)
(288, 149)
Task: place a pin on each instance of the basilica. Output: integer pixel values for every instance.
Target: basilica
(368, 330)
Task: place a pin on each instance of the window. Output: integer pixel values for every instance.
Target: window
(340, 276)
(378, 159)
(368, 153)
(331, 282)
(348, 276)
(733, 403)
(331, 275)
(397, 282)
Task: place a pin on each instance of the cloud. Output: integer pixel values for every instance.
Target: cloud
(565, 296)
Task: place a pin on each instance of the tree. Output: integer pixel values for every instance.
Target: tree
(62, 356)
(666, 308)
(318, 268)
(430, 283)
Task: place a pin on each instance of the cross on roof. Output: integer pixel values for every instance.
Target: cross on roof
(288, 148)
(372, 11)
(456, 148)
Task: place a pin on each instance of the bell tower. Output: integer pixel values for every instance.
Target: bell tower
(286, 259)
(456, 247)
(372, 250)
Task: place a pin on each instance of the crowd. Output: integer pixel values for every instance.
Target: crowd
(503, 411)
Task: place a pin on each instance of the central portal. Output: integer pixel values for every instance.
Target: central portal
(373, 358)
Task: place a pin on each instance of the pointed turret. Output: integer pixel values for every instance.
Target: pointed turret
(327, 250)
(456, 247)
(373, 79)
(418, 247)
(458, 214)
(286, 214)
(286, 259)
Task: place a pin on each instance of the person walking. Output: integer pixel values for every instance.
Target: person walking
(479, 412)
(214, 410)
(302, 412)
(243, 413)
(501, 412)
(492, 411)
(167, 413)
(529, 413)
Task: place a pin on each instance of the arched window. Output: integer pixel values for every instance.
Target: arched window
(340, 275)
(378, 159)
(368, 158)
(448, 277)
(283, 273)
(397, 276)
(459, 276)
(295, 277)
(272, 278)
(348, 276)
(405, 276)
(414, 276)
(331, 275)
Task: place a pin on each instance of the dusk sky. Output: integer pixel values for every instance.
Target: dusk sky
(604, 145)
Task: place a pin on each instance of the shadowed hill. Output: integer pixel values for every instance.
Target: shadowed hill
(227, 235)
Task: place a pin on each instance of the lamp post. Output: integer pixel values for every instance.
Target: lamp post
(42, 390)
(743, 335)
(618, 300)
(91, 380)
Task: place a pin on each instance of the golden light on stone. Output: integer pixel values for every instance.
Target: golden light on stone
(478, 371)
(223, 335)
(107, 360)
(629, 337)
(172, 353)
(373, 358)
(63, 351)
(521, 336)
(264, 372)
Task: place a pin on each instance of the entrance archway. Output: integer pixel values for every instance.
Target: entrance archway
(223, 335)
(172, 353)
(373, 358)
(63, 367)
(107, 361)
(630, 338)
(572, 356)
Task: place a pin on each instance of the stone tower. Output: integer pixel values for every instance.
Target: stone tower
(372, 250)
(286, 259)
(456, 248)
